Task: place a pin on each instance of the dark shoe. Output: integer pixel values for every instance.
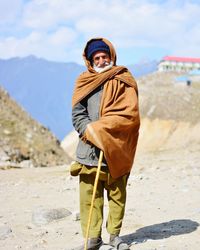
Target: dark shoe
(93, 244)
(118, 243)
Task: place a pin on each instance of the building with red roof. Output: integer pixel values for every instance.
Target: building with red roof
(179, 64)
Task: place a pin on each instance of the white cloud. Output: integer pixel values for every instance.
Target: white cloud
(58, 29)
(63, 36)
(11, 46)
(9, 10)
(45, 14)
(60, 45)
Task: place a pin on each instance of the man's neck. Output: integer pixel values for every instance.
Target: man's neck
(100, 70)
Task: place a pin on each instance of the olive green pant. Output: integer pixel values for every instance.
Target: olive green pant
(116, 194)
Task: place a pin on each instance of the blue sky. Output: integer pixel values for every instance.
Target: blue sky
(140, 30)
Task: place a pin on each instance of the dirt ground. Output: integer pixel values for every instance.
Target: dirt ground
(163, 205)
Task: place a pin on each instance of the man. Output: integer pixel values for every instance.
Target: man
(106, 116)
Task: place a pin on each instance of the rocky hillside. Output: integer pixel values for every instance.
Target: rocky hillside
(170, 113)
(164, 98)
(24, 142)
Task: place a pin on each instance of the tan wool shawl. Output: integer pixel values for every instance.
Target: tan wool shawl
(116, 131)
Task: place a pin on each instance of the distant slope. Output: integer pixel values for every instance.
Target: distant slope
(143, 68)
(23, 140)
(44, 88)
(163, 98)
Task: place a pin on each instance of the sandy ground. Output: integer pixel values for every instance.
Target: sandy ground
(163, 206)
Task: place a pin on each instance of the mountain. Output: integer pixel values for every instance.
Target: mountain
(143, 68)
(24, 142)
(44, 88)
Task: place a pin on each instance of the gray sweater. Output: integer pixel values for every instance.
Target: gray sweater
(83, 113)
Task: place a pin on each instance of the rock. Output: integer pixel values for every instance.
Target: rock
(76, 216)
(18, 247)
(5, 231)
(41, 233)
(7, 164)
(26, 164)
(42, 216)
(7, 132)
(4, 156)
(106, 247)
(11, 164)
(29, 136)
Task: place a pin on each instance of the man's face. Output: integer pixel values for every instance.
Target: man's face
(101, 59)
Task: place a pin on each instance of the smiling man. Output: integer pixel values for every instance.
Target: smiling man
(106, 116)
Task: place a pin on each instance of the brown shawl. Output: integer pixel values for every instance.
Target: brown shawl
(116, 131)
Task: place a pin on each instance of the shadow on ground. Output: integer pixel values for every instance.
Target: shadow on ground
(161, 231)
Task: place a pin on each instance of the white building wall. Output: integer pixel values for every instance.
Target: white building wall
(177, 66)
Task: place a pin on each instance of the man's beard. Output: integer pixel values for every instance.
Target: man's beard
(106, 67)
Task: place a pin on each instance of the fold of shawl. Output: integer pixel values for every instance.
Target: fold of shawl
(88, 81)
(116, 132)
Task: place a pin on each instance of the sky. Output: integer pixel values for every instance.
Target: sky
(140, 30)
